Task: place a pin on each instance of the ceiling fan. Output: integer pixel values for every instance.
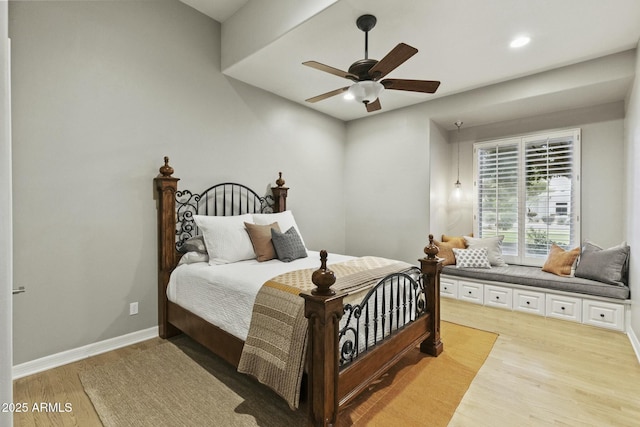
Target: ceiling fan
(366, 73)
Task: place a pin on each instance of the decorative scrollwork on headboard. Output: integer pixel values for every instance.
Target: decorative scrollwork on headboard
(224, 199)
(186, 207)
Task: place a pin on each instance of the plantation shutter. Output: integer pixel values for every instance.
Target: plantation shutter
(498, 193)
(550, 199)
(528, 190)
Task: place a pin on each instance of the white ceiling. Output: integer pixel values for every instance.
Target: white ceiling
(462, 43)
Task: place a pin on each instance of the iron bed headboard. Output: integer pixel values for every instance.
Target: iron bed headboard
(223, 199)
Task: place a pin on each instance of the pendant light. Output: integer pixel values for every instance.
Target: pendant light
(457, 184)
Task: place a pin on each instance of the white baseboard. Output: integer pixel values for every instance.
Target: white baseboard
(635, 343)
(73, 355)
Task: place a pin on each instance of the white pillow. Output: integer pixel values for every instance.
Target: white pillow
(471, 258)
(284, 219)
(226, 238)
(493, 245)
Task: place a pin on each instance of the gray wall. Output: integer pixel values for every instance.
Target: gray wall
(442, 210)
(387, 185)
(632, 193)
(102, 91)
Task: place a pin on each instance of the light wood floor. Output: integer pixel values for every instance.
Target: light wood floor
(544, 372)
(540, 372)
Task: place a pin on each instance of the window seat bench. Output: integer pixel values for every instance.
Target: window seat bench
(529, 289)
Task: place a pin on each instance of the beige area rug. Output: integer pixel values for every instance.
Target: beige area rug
(179, 383)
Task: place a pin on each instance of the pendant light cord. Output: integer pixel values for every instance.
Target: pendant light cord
(458, 124)
(458, 144)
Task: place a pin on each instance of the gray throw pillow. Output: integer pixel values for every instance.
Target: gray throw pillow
(288, 245)
(603, 265)
(194, 244)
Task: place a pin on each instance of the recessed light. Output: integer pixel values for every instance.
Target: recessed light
(520, 41)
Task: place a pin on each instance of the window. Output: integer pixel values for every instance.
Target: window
(528, 189)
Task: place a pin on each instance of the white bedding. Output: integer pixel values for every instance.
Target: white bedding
(224, 294)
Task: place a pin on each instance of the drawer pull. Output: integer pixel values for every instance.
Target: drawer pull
(528, 302)
(561, 308)
(497, 298)
(602, 315)
(469, 292)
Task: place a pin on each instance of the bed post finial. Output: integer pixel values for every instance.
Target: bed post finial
(431, 268)
(279, 195)
(166, 187)
(166, 170)
(323, 278)
(431, 250)
(323, 308)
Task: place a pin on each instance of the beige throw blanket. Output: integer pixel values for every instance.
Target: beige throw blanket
(276, 344)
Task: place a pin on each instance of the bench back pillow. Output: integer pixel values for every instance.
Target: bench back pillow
(603, 265)
(493, 245)
(471, 258)
(445, 250)
(560, 261)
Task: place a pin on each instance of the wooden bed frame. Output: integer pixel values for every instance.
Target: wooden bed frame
(330, 387)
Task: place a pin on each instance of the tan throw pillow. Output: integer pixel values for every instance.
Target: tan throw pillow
(458, 240)
(260, 236)
(560, 261)
(445, 250)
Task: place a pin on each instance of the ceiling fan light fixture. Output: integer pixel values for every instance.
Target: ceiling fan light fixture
(365, 91)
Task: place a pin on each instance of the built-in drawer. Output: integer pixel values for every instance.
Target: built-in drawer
(448, 287)
(529, 301)
(471, 292)
(564, 307)
(603, 314)
(498, 296)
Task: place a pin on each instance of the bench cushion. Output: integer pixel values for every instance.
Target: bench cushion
(534, 276)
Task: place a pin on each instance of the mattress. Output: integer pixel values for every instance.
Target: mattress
(224, 294)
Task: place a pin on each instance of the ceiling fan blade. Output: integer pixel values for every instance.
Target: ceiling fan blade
(331, 70)
(328, 94)
(426, 86)
(394, 59)
(373, 106)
